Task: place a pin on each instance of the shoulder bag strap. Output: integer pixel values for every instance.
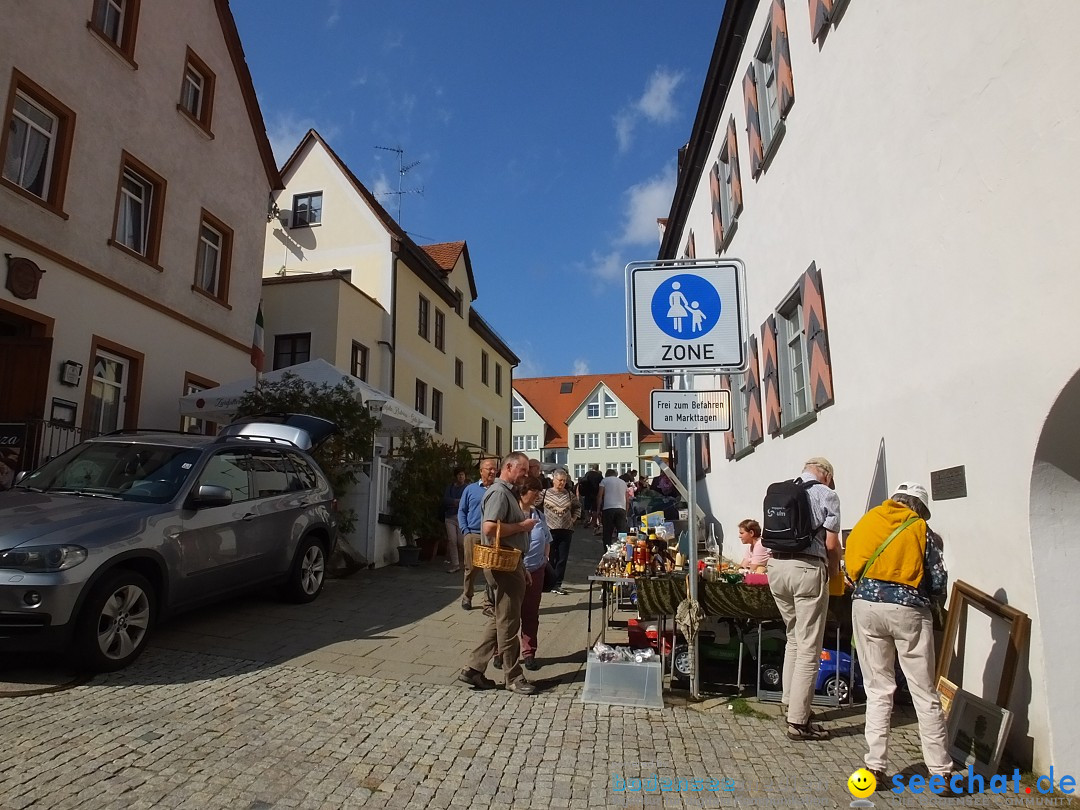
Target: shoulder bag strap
(883, 546)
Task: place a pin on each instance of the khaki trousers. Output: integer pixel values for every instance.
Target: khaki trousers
(801, 590)
(884, 633)
(471, 573)
(501, 631)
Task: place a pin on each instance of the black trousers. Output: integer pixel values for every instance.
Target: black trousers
(560, 552)
(614, 520)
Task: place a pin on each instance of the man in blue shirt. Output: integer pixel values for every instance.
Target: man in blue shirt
(471, 520)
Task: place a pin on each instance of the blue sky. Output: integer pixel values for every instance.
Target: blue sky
(546, 136)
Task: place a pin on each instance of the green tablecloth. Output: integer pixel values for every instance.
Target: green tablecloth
(660, 596)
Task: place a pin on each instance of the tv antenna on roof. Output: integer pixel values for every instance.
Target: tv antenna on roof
(402, 169)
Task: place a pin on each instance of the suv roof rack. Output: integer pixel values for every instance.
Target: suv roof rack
(254, 437)
(136, 431)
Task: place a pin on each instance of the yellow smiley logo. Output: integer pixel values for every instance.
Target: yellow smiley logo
(862, 783)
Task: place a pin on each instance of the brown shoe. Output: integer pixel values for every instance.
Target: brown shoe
(476, 679)
(522, 687)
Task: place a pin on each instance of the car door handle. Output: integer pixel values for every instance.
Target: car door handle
(248, 516)
(305, 502)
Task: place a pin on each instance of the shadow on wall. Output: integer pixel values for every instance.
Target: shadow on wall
(1055, 549)
(295, 240)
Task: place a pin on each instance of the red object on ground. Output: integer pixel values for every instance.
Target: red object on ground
(643, 634)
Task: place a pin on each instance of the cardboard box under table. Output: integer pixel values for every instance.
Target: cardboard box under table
(659, 597)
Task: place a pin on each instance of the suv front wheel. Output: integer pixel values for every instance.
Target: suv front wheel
(308, 571)
(115, 623)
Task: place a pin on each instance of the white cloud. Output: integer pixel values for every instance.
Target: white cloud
(656, 104)
(645, 203)
(581, 367)
(529, 365)
(335, 13)
(606, 267)
(285, 129)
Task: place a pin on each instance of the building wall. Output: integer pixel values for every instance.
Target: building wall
(349, 237)
(933, 187)
(90, 287)
(532, 425)
(625, 420)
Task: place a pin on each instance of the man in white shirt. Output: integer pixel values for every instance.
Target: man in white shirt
(612, 503)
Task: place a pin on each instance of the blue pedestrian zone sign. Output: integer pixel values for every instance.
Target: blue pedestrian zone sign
(686, 315)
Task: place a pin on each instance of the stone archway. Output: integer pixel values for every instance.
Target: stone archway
(1055, 551)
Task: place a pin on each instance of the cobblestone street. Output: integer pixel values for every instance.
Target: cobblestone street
(352, 702)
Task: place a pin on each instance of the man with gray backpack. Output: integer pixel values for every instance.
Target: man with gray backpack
(801, 527)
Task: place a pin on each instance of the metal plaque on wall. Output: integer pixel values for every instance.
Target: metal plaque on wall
(948, 483)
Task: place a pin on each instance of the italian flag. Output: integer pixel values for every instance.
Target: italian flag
(258, 356)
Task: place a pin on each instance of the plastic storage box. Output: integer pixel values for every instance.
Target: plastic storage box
(623, 683)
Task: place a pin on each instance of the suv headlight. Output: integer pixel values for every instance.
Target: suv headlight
(42, 559)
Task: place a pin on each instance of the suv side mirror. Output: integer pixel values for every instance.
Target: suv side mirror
(211, 495)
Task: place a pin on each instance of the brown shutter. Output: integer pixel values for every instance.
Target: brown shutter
(753, 122)
(717, 220)
(785, 85)
(820, 14)
(817, 339)
(691, 246)
(729, 435)
(771, 378)
(754, 430)
(733, 158)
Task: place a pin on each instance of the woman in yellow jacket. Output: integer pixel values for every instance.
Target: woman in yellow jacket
(896, 562)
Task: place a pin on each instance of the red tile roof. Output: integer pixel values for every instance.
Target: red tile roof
(445, 254)
(543, 394)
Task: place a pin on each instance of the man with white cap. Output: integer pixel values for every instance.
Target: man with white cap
(799, 582)
(895, 560)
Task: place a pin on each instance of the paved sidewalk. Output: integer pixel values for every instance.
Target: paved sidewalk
(352, 702)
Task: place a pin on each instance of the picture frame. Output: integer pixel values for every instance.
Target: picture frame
(63, 412)
(976, 732)
(947, 692)
(964, 595)
(71, 372)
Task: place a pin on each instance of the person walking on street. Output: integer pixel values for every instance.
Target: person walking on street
(501, 632)
(612, 502)
(896, 561)
(536, 560)
(451, 501)
(470, 520)
(561, 509)
(799, 582)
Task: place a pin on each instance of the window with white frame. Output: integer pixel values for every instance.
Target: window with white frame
(592, 441)
(624, 439)
(768, 92)
(726, 167)
(592, 411)
(517, 443)
(197, 91)
(610, 406)
(532, 442)
(611, 440)
(212, 262)
(139, 207)
(791, 351)
(31, 146)
(646, 469)
(517, 410)
(307, 209)
(625, 467)
(115, 21)
(579, 470)
(579, 441)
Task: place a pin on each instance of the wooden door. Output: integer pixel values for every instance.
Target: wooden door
(24, 377)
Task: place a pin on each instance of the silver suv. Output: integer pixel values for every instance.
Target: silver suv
(99, 544)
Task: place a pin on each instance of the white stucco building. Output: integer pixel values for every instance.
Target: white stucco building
(578, 421)
(133, 202)
(900, 180)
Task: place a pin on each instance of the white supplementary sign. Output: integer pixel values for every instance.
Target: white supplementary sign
(690, 411)
(686, 315)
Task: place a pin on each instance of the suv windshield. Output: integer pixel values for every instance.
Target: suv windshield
(147, 473)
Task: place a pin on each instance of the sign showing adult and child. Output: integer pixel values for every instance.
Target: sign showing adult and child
(686, 315)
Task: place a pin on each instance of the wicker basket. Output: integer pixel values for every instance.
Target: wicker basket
(496, 558)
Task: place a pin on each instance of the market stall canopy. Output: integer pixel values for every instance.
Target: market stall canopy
(219, 404)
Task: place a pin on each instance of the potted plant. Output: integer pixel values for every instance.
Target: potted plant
(423, 468)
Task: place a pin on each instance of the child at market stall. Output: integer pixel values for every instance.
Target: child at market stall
(757, 556)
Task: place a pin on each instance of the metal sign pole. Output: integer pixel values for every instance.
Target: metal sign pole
(691, 514)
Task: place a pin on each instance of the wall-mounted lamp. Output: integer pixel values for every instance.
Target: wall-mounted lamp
(272, 210)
